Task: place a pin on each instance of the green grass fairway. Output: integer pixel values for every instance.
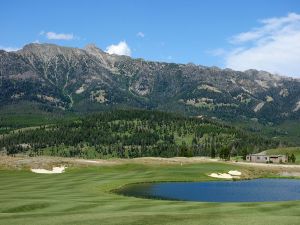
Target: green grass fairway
(82, 196)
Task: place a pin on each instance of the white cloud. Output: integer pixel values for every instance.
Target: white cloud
(140, 34)
(274, 47)
(9, 49)
(270, 26)
(119, 49)
(56, 36)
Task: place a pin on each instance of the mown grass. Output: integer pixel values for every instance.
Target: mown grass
(83, 196)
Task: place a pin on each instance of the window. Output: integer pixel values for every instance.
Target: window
(258, 157)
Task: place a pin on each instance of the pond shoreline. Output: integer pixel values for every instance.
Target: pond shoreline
(239, 191)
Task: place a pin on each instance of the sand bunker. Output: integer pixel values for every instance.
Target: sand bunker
(221, 175)
(230, 175)
(54, 170)
(235, 173)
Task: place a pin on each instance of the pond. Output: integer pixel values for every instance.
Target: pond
(257, 190)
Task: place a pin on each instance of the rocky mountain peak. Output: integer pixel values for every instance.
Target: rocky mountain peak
(48, 51)
(68, 78)
(92, 48)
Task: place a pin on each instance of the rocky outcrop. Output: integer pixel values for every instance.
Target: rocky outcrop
(75, 78)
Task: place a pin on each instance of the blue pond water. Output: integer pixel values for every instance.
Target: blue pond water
(258, 190)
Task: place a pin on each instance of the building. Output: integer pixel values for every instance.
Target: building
(257, 158)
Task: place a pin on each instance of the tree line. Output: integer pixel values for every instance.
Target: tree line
(135, 133)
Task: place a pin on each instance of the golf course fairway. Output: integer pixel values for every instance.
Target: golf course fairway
(83, 195)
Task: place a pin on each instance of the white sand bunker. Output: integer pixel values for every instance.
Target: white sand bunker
(230, 175)
(53, 171)
(221, 175)
(235, 173)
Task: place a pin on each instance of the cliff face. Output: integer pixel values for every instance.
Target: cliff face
(88, 79)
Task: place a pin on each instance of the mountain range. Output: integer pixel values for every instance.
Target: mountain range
(89, 79)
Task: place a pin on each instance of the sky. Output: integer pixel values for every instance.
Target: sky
(241, 35)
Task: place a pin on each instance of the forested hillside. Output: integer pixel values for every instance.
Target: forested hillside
(135, 133)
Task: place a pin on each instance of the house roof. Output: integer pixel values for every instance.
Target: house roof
(266, 155)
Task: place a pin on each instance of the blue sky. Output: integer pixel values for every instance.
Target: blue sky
(215, 32)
